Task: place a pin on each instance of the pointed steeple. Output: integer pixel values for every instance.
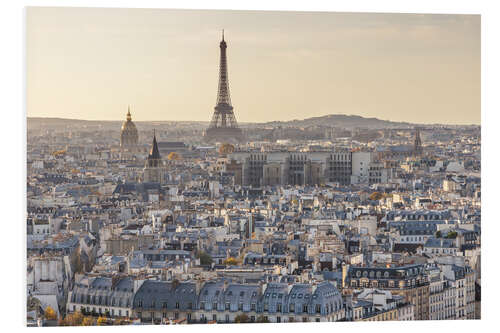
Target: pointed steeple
(129, 116)
(222, 34)
(154, 153)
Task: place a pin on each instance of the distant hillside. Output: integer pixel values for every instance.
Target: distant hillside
(340, 120)
(34, 122)
(332, 120)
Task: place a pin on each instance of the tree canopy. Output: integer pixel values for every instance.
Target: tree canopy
(205, 258)
(50, 314)
(376, 196)
(241, 318)
(231, 261)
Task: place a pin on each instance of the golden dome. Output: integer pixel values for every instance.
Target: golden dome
(129, 134)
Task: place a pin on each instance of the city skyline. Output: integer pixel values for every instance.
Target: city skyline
(430, 63)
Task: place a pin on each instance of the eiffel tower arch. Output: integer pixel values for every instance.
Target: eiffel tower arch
(223, 127)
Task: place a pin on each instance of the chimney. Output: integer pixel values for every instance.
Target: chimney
(137, 285)
(313, 287)
(345, 270)
(198, 285)
(263, 287)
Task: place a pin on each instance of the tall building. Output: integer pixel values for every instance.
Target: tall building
(154, 170)
(129, 136)
(418, 150)
(223, 126)
(410, 281)
(305, 168)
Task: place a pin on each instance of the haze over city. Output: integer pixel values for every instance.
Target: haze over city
(90, 63)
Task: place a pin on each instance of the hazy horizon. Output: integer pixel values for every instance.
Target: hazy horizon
(91, 63)
(249, 122)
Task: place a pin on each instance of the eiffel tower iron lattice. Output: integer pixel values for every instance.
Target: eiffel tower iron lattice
(223, 126)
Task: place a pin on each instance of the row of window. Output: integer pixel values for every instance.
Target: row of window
(164, 305)
(100, 300)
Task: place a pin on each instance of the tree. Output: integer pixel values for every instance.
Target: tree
(231, 261)
(73, 319)
(173, 156)
(226, 148)
(88, 321)
(102, 321)
(205, 258)
(376, 196)
(438, 234)
(241, 318)
(262, 319)
(452, 234)
(50, 314)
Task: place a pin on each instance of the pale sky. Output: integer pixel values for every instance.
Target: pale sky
(91, 63)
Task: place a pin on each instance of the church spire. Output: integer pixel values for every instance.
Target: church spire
(154, 152)
(129, 116)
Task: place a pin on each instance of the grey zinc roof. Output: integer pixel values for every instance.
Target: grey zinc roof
(154, 295)
(439, 243)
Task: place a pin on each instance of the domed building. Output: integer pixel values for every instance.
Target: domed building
(129, 135)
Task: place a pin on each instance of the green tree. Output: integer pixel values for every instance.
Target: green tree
(205, 258)
(438, 234)
(451, 234)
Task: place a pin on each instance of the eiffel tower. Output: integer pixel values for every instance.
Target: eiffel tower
(223, 127)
